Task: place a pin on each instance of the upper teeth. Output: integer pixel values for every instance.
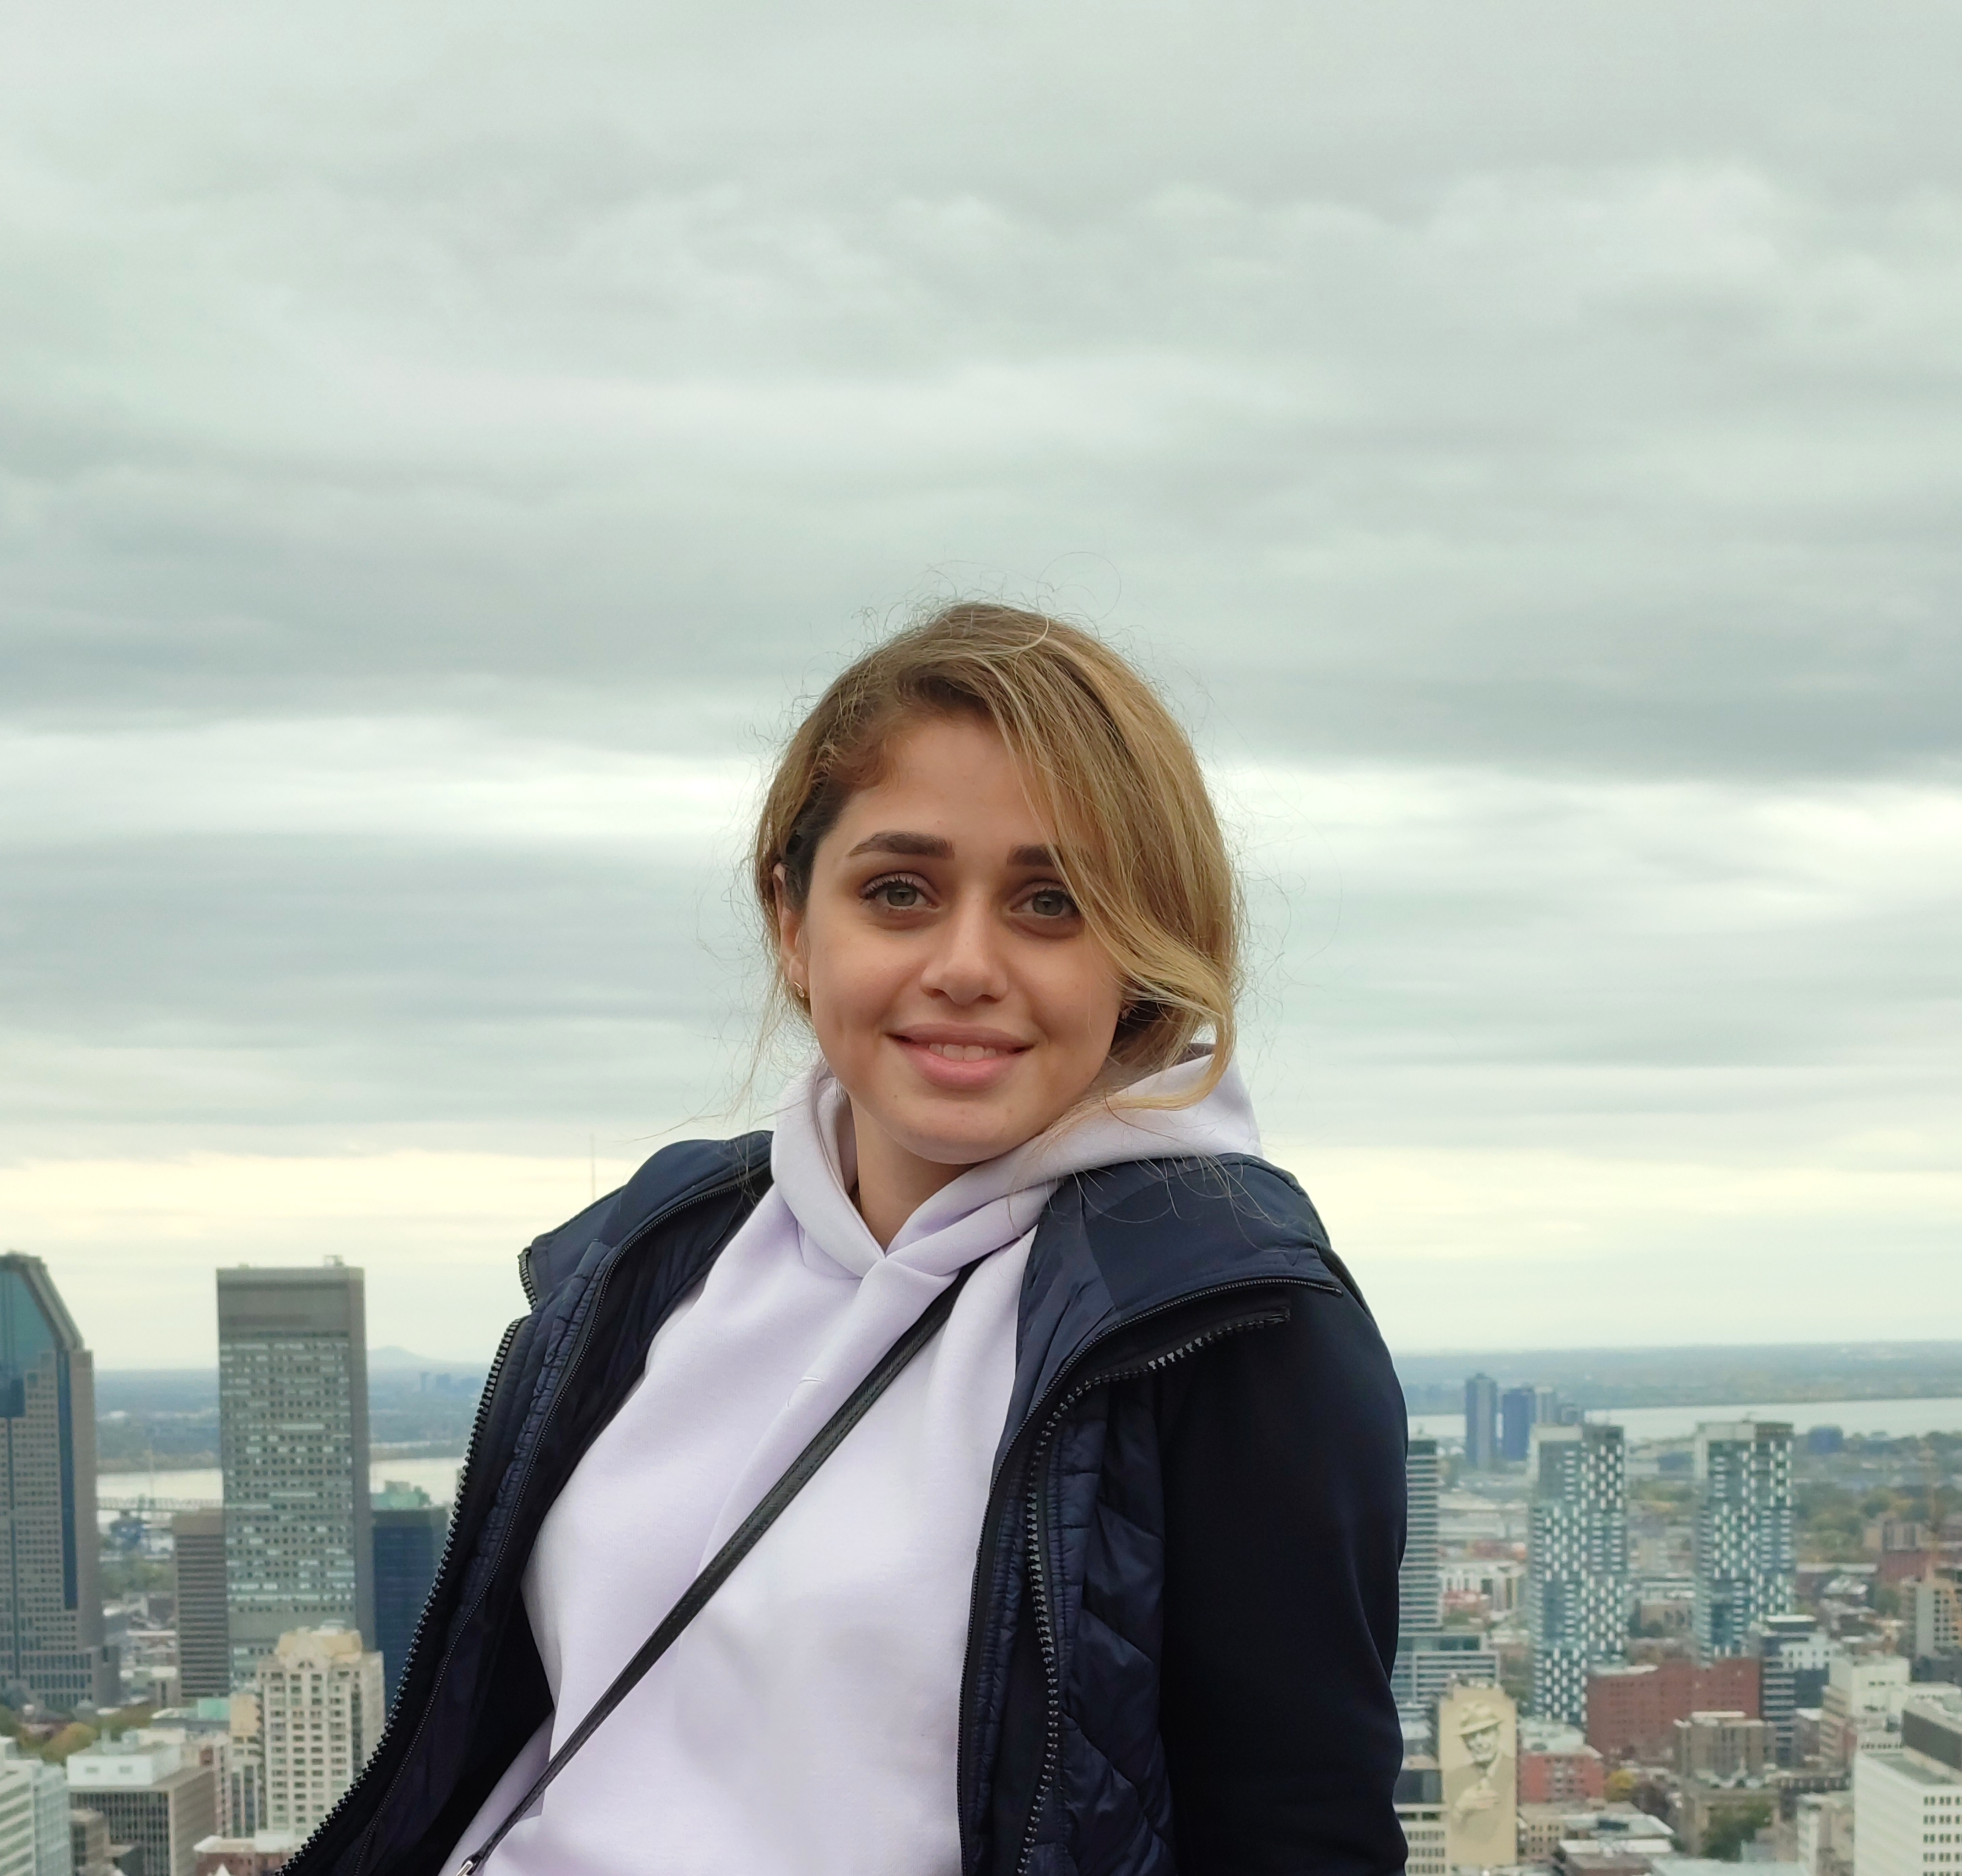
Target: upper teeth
(962, 1051)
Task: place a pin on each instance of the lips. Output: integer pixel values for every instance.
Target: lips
(960, 1061)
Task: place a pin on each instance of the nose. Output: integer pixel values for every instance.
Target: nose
(967, 965)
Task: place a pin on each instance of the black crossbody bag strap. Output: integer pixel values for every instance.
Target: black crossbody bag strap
(716, 1573)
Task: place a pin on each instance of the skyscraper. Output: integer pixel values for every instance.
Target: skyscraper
(1577, 1564)
(321, 1708)
(204, 1655)
(1747, 1556)
(1419, 1599)
(1481, 1423)
(409, 1533)
(1519, 1410)
(292, 1396)
(50, 1606)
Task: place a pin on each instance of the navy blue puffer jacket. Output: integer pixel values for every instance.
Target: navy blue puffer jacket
(1185, 1600)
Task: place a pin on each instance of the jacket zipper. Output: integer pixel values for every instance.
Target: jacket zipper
(483, 1409)
(1037, 1550)
(477, 1425)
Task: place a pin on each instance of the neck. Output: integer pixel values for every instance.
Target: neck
(892, 1183)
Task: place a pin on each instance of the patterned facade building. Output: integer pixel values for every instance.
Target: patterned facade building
(51, 1647)
(1746, 1549)
(1577, 1564)
(293, 1382)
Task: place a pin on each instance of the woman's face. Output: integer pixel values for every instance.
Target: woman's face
(956, 992)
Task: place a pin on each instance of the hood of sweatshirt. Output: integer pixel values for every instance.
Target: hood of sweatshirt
(989, 1206)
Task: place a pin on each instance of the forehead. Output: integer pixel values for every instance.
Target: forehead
(949, 776)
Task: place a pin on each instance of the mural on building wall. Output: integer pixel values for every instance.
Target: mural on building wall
(1477, 1756)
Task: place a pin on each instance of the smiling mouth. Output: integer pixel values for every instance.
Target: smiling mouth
(966, 1052)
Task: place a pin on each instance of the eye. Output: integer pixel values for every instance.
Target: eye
(1051, 902)
(896, 892)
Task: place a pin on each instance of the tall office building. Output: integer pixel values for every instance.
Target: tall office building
(50, 1606)
(321, 1708)
(1747, 1556)
(1577, 1564)
(409, 1533)
(204, 1653)
(1420, 1596)
(1481, 1423)
(151, 1793)
(1908, 1802)
(1931, 1613)
(35, 1836)
(292, 1397)
(1794, 1658)
(1518, 1412)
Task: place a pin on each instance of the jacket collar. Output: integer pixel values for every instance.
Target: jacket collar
(1137, 1240)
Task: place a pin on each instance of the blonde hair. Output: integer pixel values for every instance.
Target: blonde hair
(1110, 774)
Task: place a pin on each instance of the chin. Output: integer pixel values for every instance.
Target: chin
(965, 1146)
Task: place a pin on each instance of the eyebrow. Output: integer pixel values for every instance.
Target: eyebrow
(931, 846)
(923, 846)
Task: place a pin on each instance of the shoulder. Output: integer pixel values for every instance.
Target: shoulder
(1234, 1220)
(723, 1175)
(1154, 1225)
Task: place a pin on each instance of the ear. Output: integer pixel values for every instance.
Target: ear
(790, 958)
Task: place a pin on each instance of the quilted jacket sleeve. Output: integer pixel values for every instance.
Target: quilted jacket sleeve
(1282, 1451)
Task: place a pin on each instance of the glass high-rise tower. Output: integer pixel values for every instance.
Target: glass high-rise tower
(409, 1534)
(1577, 1564)
(50, 1603)
(293, 1398)
(1481, 1423)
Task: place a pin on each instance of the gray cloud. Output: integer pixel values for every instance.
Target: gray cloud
(1529, 385)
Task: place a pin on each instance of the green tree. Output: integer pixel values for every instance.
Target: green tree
(1734, 1827)
(71, 1738)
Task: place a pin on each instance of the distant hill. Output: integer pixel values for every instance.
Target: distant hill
(1715, 1376)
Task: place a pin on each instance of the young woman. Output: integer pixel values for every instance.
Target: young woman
(1104, 1582)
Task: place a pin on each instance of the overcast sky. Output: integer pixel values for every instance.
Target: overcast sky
(439, 446)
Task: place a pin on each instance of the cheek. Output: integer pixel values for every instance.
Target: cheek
(851, 985)
(1083, 1002)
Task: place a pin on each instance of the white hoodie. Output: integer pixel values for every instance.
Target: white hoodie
(805, 1722)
